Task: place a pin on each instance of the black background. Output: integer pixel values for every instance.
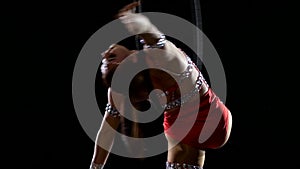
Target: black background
(42, 40)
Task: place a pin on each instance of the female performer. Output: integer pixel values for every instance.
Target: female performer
(186, 97)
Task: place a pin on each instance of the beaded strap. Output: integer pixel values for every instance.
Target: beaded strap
(186, 73)
(112, 110)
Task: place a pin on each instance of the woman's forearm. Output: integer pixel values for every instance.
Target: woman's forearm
(105, 139)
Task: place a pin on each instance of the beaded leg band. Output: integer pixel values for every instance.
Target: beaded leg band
(181, 166)
(96, 166)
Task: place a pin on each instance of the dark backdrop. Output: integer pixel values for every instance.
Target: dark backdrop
(41, 41)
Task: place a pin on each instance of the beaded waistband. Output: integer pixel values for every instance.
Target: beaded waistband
(185, 98)
(181, 166)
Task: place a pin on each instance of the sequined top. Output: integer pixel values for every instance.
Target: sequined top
(177, 102)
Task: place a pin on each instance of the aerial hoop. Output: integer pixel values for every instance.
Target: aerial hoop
(138, 10)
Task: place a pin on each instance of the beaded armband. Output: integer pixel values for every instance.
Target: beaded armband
(112, 110)
(160, 43)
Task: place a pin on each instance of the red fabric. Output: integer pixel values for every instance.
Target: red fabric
(187, 123)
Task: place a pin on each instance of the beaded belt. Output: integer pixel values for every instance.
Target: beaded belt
(185, 98)
(181, 166)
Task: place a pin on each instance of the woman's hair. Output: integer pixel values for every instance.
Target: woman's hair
(129, 43)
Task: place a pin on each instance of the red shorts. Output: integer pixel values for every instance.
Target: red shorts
(203, 126)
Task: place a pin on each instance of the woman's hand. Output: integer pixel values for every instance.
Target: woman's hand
(130, 8)
(135, 23)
